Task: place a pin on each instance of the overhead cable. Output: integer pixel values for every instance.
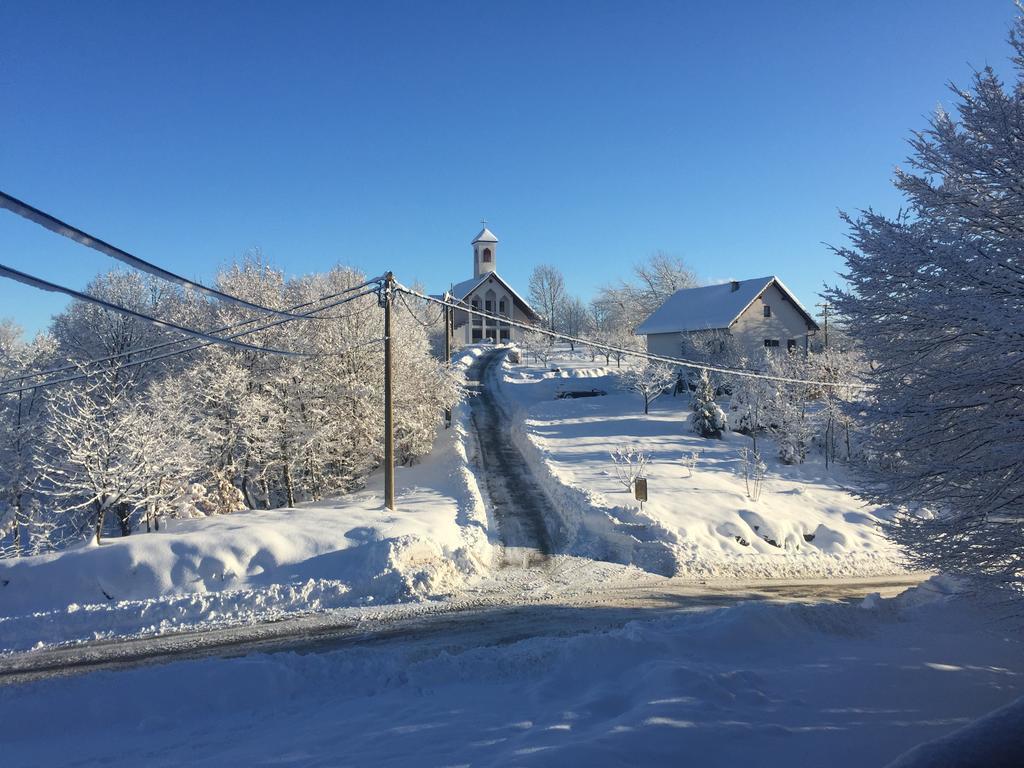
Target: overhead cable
(46, 285)
(54, 224)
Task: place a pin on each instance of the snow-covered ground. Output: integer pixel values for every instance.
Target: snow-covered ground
(761, 684)
(701, 522)
(261, 565)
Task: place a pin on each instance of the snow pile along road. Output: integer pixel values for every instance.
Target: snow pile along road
(699, 521)
(847, 685)
(261, 565)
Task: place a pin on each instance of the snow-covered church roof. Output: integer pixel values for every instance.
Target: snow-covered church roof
(712, 307)
(485, 236)
(462, 290)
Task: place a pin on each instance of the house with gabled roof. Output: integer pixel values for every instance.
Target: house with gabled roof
(489, 292)
(757, 314)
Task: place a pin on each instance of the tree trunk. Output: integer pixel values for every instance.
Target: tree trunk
(124, 519)
(101, 514)
(289, 488)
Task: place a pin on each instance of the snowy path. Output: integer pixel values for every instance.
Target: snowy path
(516, 502)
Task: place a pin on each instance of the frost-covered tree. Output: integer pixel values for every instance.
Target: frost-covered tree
(650, 381)
(935, 296)
(790, 406)
(23, 528)
(749, 404)
(653, 281)
(837, 405)
(707, 418)
(575, 320)
(547, 294)
(92, 464)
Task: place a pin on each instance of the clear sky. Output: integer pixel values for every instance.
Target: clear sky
(377, 134)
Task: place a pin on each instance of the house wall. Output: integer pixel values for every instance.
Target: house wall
(667, 344)
(752, 328)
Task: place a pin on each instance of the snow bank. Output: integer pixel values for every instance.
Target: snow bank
(697, 524)
(259, 565)
(992, 741)
(847, 685)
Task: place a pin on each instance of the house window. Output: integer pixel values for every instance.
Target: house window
(767, 311)
(771, 343)
(791, 344)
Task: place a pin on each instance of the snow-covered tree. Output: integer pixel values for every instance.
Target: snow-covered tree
(575, 319)
(650, 381)
(749, 404)
(24, 529)
(707, 419)
(652, 282)
(547, 294)
(790, 405)
(92, 463)
(935, 296)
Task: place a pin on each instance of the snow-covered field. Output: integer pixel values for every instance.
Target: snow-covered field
(699, 522)
(754, 684)
(261, 565)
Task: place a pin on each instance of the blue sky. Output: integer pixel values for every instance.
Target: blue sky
(589, 134)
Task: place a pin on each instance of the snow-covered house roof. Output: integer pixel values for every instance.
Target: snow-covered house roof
(461, 290)
(485, 236)
(713, 307)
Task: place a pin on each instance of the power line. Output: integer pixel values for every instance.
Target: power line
(194, 347)
(425, 324)
(45, 285)
(154, 347)
(54, 224)
(629, 352)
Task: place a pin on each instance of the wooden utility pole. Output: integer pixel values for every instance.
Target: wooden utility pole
(824, 313)
(447, 351)
(387, 296)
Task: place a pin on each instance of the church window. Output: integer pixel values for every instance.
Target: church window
(487, 254)
(501, 307)
(477, 320)
(489, 298)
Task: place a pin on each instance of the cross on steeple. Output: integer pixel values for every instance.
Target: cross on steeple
(483, 222)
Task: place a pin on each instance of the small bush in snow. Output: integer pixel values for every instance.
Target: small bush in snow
(753, 468)
(690, 461)
(630, 463)
(707, 419)
(650, 382)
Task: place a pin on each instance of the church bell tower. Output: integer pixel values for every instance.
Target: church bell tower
(485, 248)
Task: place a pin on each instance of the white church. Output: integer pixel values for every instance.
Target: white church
(488, 292)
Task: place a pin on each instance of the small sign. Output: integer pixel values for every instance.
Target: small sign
(640, 489)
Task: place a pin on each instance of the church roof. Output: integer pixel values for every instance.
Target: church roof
(461, 290)
(485, 236)
(713, 307)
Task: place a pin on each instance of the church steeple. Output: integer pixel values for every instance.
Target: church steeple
(485, 248)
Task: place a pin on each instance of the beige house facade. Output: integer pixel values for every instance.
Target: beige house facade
(752, 316)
